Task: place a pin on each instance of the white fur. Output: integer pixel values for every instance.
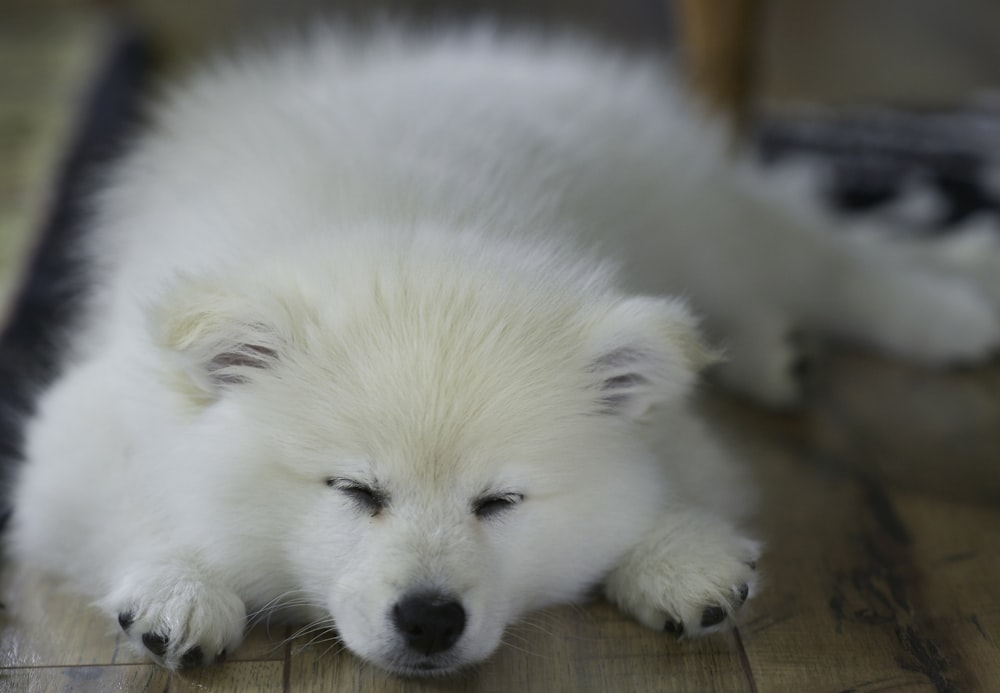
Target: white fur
(356, 261)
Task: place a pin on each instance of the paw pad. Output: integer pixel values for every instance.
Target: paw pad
(192, 658)
(743, 593)
(178, 618)
(712, 616)
(155, 643)
(674, 627)
(688, 578)
(709, 617)
(126, 619)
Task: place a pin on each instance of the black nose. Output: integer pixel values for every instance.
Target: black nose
(430, 623)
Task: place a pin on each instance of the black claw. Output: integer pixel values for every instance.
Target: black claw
(126, 619)
(801, 367)
(192, 658)
(712, 616)
(155, 643)
(674, 627)
(744, 592)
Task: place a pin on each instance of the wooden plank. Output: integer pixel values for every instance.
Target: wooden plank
(864, 489)
(825, 623)
(814, 626)
(41, 625)
(246, 677)
(935, 431)
(955, 547)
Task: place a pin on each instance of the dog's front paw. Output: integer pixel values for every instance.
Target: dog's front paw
(178, 618)
(687, 580)
(941, 321)
(923, 316)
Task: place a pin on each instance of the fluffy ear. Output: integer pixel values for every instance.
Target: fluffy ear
(218, 337)
(647, 351)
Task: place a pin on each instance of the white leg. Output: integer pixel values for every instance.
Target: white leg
(690, 575)
(970, 253)
(177, 611)
(906, 310)
(791, 257)
(76, 489)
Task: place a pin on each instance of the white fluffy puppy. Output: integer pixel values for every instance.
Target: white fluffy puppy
(345, 361)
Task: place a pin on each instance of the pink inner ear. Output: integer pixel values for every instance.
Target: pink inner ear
(618, 390)
(223, 368)
(620, 380)
(633, 378)
(618, 358)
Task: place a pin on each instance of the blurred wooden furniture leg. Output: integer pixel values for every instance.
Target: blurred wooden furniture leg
(718, 49)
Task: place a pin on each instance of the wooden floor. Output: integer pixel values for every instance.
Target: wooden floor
(882, 518)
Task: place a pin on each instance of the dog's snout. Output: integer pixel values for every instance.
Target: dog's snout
(430, 623)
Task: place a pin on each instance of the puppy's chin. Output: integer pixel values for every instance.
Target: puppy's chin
(415, 667)
(402, 661)
(390, 653)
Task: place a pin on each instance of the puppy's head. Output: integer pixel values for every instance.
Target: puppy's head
(422, 448)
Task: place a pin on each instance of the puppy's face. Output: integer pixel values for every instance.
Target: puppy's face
(435, 459)
(423, 551)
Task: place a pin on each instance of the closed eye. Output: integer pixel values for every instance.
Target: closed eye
(491, 506)
(366, 498)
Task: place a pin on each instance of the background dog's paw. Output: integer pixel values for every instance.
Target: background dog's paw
(936, 320)
(180, 621)
(970, 252)
(688, 581)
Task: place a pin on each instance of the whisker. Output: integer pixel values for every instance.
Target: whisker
(334, 643)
